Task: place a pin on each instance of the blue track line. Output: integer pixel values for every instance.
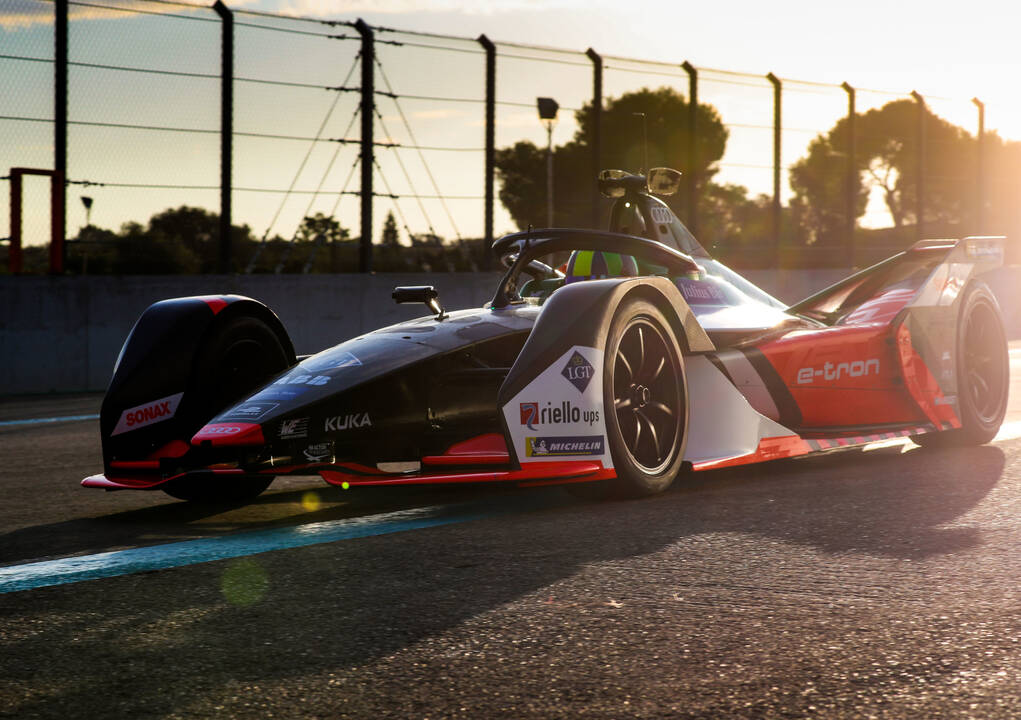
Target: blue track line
(190, 552)
(38, 421)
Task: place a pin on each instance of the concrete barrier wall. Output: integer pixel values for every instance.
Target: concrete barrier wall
(63, 334)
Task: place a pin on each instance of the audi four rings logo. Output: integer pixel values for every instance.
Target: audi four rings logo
(221, 430)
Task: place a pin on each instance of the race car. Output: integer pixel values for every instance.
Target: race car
(640, 358)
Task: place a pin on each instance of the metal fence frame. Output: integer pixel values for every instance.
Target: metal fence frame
(368, 94)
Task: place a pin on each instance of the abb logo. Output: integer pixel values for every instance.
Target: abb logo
(147, 414)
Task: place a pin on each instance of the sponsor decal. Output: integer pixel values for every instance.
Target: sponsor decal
(303, 379)
(250, 411)
(981, 249)
(578, 371)
(147, 414)
(529, 414)
(294, 428)
(533, 414)
(660, 214)
(330, 360)
(347, 422)
(948, 366)
(278, 392)
(559, 446)
(699, 292)
(545, 414)
(319, 452)
(220, 430)
(831, 371)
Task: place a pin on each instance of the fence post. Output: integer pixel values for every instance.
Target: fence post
(597, 130)
(58, 246)
(14, 248)
(850, 179)
(691, 183)
(980, 179)
(490, 180)
(920, 186)
(226, 133)
(368, 160)
(59, 215)
(777, 87)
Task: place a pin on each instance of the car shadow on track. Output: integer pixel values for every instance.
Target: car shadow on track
(293, 502)
(157, 643)
(894, 502)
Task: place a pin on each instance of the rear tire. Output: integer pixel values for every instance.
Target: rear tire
(983, 372)
(645, 396)
(241, 355)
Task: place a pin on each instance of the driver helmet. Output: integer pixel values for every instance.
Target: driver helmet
(596, 264)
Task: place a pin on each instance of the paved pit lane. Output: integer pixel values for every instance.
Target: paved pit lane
(880, 583)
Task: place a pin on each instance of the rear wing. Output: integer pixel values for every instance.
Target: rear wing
(921, 268)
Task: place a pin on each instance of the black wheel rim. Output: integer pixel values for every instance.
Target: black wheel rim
(984, 364)
(646, 395)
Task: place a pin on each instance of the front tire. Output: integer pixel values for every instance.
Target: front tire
(645, 396)
(240, 356)
(983, 372)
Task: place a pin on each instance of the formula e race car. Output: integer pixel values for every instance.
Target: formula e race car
(640, 358)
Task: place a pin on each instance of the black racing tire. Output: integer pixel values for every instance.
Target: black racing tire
(983, 372)
(646, 399)
(240, 356)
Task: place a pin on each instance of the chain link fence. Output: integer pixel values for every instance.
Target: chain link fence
(145, 84)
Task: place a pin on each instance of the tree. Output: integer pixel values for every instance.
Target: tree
(318, 226)
(522, 167)
(390, 238)
(731, 221)
(666, 121)
(140, 251)
(195, 231)
(886, 156)
(522, 175)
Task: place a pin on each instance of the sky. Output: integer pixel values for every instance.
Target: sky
(937, 47)
(948, 52)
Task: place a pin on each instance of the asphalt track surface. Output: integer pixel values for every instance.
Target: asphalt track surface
(858, 584)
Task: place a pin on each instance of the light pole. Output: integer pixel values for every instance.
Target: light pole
(548, 114)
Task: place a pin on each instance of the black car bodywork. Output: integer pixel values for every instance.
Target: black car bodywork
(623, 380)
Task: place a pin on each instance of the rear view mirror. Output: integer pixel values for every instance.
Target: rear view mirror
(426, 294)
(618, 183)
(664, 181)
(610, 184)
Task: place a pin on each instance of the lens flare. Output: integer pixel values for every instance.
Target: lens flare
(310, 501)
(244, 582)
